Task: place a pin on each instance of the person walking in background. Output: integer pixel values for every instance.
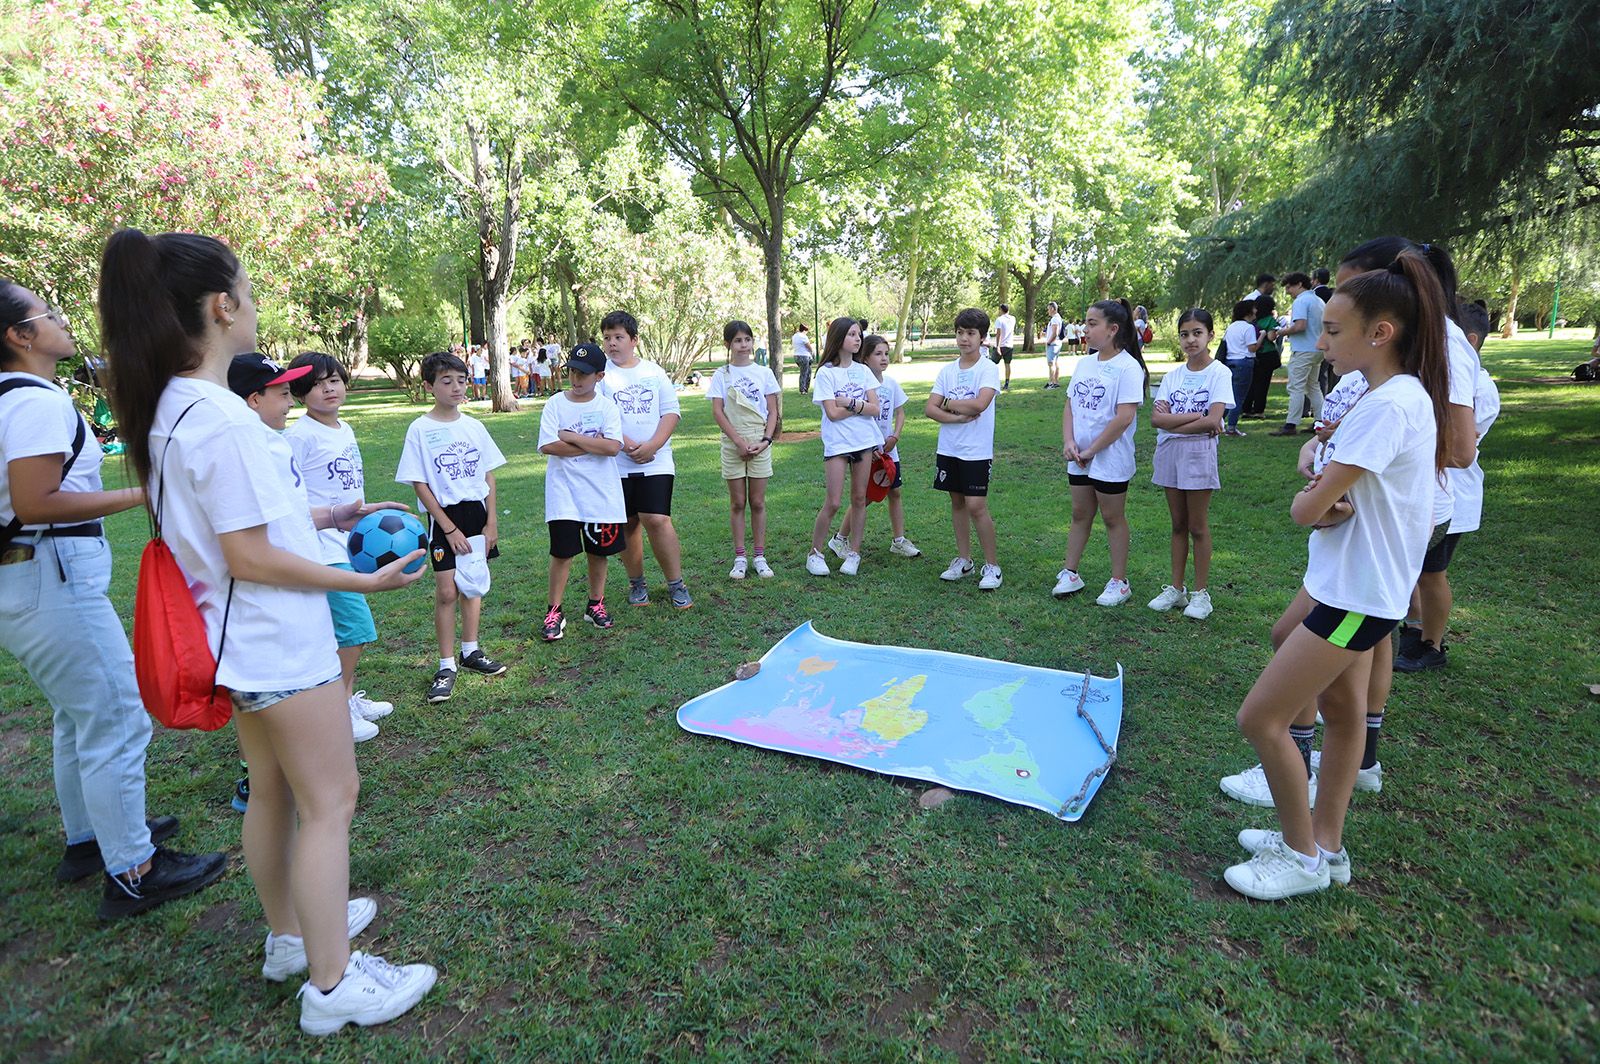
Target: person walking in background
(803, 354)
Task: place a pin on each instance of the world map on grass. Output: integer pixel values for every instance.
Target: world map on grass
(1013, 732)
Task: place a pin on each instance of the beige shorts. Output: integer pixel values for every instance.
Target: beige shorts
(747, 422)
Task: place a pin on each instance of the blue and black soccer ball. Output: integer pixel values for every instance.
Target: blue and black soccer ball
(384, 537)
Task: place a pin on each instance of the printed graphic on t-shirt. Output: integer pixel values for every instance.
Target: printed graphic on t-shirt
(589, 423)
(1089, 393)
(294, 471)
(850, 390)
(458, 460)
(346, 469)
(1183, 401)
(750, 388)
(637, 398)
(965, 385)
(1339, 402)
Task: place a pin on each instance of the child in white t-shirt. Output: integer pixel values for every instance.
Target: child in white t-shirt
(891, 422)
(962, 402)
(1371, 514)
(329, 460)
(479, 367)
(581, 430)
(1097, 430)
(450, 459)
(745, 403)
(847, 392)
(1188, 418)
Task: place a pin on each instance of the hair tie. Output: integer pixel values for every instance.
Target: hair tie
(1427, 249)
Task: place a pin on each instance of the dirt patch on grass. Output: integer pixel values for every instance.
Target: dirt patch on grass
(799, 437)
(959, 1031)
(891, 1015)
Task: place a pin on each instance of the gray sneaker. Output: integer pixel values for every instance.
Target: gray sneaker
(680, 595)
(638, 593)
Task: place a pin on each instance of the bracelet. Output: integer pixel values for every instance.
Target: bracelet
(450, 531)
(766, 439)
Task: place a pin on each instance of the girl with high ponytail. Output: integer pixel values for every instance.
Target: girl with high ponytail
(1370, 508)
(176, 311)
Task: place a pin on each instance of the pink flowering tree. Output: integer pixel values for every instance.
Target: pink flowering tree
(151, 114)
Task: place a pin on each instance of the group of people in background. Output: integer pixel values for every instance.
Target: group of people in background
(256, 517)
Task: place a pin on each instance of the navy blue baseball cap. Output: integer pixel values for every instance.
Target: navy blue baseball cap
(587, 358)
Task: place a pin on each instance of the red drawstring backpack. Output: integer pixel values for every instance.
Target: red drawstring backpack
(172, 656)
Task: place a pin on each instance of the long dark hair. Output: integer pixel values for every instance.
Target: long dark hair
(1116, 312)
(1408, 293)
(1382, 251)
(14, 306)
(150, 318)
(838, 329)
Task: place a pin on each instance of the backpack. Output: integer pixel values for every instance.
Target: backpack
(172, 657)
(14, 526)
(1583, 372)
(1148, 334)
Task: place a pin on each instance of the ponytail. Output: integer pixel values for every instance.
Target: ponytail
(1409, 294)
(150, 317)
(1384, 251)
(1116, 312)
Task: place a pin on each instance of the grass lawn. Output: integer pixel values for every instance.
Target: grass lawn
(592, 881)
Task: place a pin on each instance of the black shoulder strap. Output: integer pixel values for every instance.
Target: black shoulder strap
(15, 524)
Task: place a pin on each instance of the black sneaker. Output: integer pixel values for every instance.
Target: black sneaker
(1427, 656)
(597, 615)
(555, 625)
(1410, 641)
(480, 662)
(82, 859)
(443, 686)
(172, 875)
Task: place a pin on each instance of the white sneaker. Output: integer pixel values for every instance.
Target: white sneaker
(990, 579)
(1116, 593)
(839, 545)
(1274, 873)
(816, 564)
(287, 956)
(852, 563)
(1367, 779)
(1255, 840)
(372, 991)
(1067, 582)
(959, 567)
(367, 709)
(1170, 596)
(740, 564)
(1250, 787)
(1199, 605)
(360, 728)
(763, 570)
(905, 548)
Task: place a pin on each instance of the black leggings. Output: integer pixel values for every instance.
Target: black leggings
(1261, 382)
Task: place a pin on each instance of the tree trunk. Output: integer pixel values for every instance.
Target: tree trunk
(360, 354)
(564, 275)
(1002, 282)
(475, 309)
(772, 253)
(1103, 284)
(1509, 329)
(1030, 303)
(904, 320)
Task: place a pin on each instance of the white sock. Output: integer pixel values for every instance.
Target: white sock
(468, 648)
(292, 940)
(1309, 862)
(447, 663)
(1327, 855)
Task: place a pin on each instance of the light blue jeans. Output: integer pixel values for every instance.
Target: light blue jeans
(69, 638)
(1243, 373)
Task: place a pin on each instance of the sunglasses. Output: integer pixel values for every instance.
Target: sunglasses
(55, 314)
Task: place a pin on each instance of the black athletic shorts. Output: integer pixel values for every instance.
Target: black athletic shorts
(643, 494)
(1104, 487)
(568, 539)
(1005, 354)
(471, 517)
(1346, 629)
(962, 476)
(1437, 560)
(851, 457)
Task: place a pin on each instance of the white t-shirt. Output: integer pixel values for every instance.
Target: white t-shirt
(552, 353)
(1307, 307)
(802, 345)
(644, 394)
(1370, 563)
(453, 458)
(1236, 341)
(225, 472)
(891, 397)
(36, 421)
(1055, 323)
(1187, 392)
(971, 441)
(1005, 330)
(330, 461)
(1097, 389)
(1463, 366)
(754, 382)
(1466, 485)
(854, 432)
(585, 487)
(478, 366)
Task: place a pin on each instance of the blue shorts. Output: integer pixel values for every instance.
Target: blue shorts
(256, 701)
(1050, 352)
(352, 617)
(480, 380)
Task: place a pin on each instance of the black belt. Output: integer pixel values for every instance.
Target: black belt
(89, 529)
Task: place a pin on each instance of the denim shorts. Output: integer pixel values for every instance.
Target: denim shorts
(256, 701)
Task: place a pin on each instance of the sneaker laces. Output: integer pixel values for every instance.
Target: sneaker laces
(1273, 861)
(381, 971)
(553, 617)
(598, 610)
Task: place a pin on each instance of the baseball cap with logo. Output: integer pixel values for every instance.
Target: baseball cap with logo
(587, 358)
(255, 372)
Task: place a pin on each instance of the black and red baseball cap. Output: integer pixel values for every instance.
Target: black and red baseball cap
(255, 372)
